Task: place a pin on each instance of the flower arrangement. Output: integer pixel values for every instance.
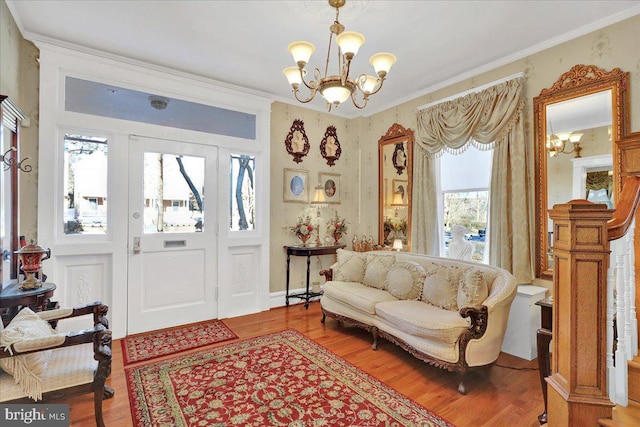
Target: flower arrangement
(337, 225)
(303, 227)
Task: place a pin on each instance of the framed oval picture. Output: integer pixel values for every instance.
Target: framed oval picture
(296, 186)
(330, 182)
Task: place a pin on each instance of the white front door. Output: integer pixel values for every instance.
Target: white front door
(172, 239)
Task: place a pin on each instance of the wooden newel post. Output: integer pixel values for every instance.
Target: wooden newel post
(578, 387)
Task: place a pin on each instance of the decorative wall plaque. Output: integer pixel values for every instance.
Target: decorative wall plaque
(399, 158)
(297, 142)
(330, 146)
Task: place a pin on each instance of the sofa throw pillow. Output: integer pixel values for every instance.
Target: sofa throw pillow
(441, 287)
(376, 269)
(472, 289)
(350, 266)
(26, 369)
(405, 280)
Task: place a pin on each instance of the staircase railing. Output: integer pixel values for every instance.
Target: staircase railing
(622, 323)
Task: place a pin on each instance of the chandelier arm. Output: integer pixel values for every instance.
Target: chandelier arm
(312, 85)
(365, 99)
(378, 85)
(302, 100)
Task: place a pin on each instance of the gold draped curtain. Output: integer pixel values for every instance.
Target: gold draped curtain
(491, 118)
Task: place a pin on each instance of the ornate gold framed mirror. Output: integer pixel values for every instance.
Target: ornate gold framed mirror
(578, 122)
(395, 166)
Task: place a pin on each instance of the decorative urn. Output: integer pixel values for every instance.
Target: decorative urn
(31, 257)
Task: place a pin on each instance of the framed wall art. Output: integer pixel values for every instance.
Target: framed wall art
(399, 158)
(297, 142)
(330, 146)
(296, 186)
(331, 184)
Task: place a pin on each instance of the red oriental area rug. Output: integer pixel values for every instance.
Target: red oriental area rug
(147, 346)
(281, 379)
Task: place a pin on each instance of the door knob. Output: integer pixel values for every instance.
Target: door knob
(136, 245)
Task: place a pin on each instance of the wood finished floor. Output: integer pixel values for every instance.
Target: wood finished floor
(496, 397)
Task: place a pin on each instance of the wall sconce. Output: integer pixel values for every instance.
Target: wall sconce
(397, 245)
(9, 161)
(319, 201)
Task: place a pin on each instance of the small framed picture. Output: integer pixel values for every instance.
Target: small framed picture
(296, 186)
(331, 184)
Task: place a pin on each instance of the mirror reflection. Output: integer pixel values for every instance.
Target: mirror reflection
(394, 169)
(579, 162)
(578, 121)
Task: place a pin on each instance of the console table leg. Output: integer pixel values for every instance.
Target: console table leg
(287, 291)
(543, 339)
(306, 305)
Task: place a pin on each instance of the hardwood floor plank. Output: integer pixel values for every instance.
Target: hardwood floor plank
(496, 397)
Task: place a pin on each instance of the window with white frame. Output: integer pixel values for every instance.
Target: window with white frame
(464, 198)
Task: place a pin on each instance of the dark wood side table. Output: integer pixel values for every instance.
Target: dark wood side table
(307, 251)
(543, 339)
(12, 299)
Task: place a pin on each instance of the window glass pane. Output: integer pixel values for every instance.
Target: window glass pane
(173, 193)
(242, 192)
(468, 170)
(85, 184)
(469, 209)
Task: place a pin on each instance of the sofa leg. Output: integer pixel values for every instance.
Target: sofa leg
(374, 346)
(324, 317)
(461, 388)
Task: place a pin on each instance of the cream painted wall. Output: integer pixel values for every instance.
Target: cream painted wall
(19, 79)
(285, 214)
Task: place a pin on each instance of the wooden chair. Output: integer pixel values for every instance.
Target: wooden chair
(80, 364)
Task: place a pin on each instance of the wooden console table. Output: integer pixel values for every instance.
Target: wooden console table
(13, 299)
(542, 341)
(307, 251)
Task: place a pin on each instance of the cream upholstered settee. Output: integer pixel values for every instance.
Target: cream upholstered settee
(449, 313)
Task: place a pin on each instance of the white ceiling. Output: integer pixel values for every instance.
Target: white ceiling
(244, 43)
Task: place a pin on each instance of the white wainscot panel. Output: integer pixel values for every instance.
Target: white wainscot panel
(243, 292)
(85, 279)
(173, 279)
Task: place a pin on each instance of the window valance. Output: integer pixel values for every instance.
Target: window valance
(481, 118)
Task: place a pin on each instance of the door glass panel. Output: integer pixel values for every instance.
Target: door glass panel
(85, 184)
(173, 193)
(242, 192)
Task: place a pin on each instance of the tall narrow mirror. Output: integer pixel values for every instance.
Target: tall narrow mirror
(578, 121)
(395, 166)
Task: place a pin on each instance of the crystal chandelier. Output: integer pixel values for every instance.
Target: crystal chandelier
(339, 87)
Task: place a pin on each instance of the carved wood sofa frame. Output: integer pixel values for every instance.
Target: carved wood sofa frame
(100, 336)
(478, 316)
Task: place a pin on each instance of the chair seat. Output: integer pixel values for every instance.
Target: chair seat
(67, 367)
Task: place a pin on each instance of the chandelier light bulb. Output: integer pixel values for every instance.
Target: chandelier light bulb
(368, 83)
(301, 52)
(575, 137)
(382, 62)
(293, 75)
(350, 42)
(336, 94)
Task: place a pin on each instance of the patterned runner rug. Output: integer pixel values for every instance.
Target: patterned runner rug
(147, 346)
(281, 379)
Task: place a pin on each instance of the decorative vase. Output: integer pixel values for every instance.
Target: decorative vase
(303, 237)
(31, 257)
(336, 237)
